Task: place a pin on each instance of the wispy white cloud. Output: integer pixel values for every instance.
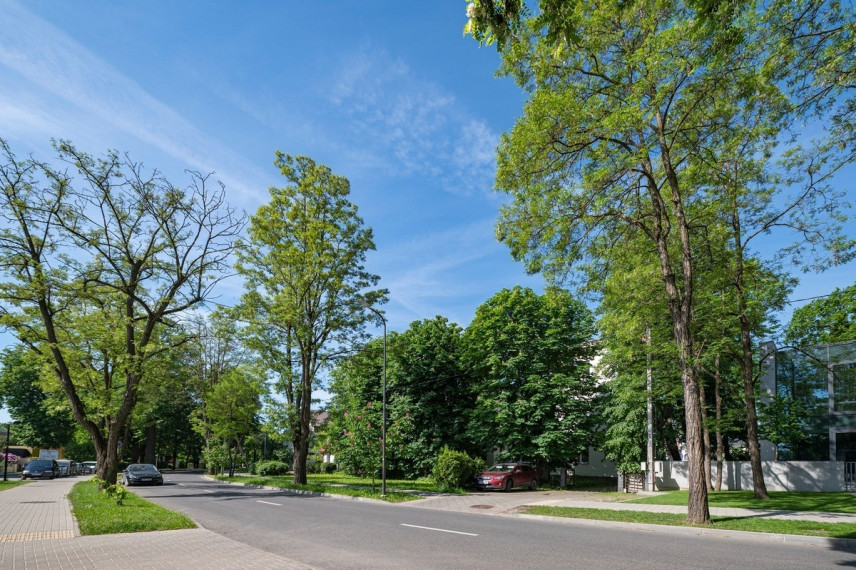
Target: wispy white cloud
(412, 125)
(436, 273)
(47, 57)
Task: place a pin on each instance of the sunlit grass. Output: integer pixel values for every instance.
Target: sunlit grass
(748, 524)
(778, 501)
(9, 484)
(421, 484)
(361, 489)
(98, 514)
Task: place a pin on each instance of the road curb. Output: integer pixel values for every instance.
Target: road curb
(844, 544)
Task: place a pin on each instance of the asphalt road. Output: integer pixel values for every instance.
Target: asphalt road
(336, 533)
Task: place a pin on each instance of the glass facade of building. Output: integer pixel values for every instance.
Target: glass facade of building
(822, 380)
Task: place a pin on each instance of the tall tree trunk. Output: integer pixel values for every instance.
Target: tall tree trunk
(680, 308)
(301, 442)
(705, 432)
(746, 363)
(720, 444)
(151, 439)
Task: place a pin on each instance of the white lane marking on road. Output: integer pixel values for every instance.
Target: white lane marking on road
(439, 529)
(207, 491)
(267, 503)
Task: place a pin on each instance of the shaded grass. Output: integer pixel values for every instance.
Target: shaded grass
(287, 482)
(98, 514)
(778, 501)
(421, 484)
(9, 484)
(750, 524)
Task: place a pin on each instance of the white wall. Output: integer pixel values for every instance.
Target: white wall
(778, 475)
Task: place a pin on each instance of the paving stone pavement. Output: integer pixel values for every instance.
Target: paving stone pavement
(38, 531)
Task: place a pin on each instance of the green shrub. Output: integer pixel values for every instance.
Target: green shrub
(328, 467)
(269, 468)
(456, 470)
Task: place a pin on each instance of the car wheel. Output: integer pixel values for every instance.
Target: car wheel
(533, 486)
(508, 485)
(160, 482)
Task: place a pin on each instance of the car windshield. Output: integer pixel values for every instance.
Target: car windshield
(42, 464)
(142, 469)
(502, 468)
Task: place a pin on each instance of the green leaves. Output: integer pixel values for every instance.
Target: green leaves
(305, 275)
(530, 357)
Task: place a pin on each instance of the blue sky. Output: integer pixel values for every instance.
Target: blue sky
(388, 94)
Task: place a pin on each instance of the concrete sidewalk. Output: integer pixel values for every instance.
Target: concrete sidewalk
(38, 531)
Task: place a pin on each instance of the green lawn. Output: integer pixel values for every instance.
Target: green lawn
(98, 514)
(421, 484)
(9, 484)
(778, 501)
(331, 484)
(753, 524)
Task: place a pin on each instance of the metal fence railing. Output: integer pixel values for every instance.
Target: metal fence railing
(850, 476)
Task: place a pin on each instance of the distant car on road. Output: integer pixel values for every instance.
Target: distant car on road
(507, 476)
(140, 474)
(40, 469)
(66, 467)
(88, 467)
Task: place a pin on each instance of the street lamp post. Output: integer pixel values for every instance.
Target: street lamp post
(383, 408)
(6, 455)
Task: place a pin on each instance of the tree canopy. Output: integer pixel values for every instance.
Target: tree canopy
(303, 264)
(94, 267)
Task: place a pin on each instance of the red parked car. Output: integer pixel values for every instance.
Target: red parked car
(507, 476)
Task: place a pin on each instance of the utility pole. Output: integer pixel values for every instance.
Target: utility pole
(650, 375)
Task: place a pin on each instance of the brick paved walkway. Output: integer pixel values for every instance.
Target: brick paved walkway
(38, 531)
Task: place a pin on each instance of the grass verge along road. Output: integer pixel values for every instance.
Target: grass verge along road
(778, 501)
(96, 513)
(333, 485)
(749, 524)
(9, 484)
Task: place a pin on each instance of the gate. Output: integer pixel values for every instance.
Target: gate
(850, 476)
(634, 482)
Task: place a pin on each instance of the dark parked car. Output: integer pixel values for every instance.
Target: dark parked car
(140, 474)
(507, 476)
(40, 469)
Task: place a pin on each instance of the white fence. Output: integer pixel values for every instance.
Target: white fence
(778, 475)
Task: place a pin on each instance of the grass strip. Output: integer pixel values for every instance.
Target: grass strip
(9, 484)
(421, 484)
(778, 501)
(748, 524)
(286, 482)
(98, 514)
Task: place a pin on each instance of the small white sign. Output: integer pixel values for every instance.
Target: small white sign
(48, 454)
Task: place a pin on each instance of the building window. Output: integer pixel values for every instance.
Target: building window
(844, 387)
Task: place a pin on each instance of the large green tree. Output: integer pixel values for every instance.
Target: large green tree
(531, 356)
(95, 266)
(42, 418)
(631, 105)
(824, 321)
(305, 280)
(233, 406)
(430, 382)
